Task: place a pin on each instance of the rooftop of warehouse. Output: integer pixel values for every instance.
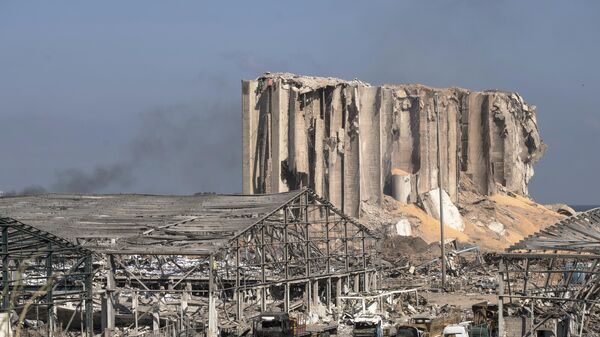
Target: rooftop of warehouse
(136, 224)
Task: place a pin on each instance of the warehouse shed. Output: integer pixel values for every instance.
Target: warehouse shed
(180, 262)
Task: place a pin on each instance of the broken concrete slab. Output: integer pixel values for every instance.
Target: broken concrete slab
(431, 204)
(497, 227)
(403, 227)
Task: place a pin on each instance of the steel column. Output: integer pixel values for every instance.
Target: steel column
(500, 303)
(347, 262)
(238, 295)
(89, 305)
(5, 289)
(263, 291)
(49, 294)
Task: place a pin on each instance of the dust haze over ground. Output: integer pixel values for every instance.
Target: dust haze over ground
(146, 98)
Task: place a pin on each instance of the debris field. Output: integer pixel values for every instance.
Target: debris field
(337, 229)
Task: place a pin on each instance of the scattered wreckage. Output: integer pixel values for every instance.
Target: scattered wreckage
(288, 253)
(281, 324)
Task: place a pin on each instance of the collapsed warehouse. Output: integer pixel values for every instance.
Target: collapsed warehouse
(121, 262)
(161, 265)
(549, 280)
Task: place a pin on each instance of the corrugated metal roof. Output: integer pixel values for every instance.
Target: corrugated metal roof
(580, 233)
(139, 224)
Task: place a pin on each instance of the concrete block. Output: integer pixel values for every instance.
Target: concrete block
(431, 203)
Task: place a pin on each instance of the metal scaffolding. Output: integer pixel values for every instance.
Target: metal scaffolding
(40, 272)
(550, 278)
(171, 261)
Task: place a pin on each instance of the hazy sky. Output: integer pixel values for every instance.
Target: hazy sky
(144, 96)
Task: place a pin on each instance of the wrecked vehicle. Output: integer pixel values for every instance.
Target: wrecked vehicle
(368, 326)
(456, 330)
(434, 326)
(479, 331)
(409, 331)
(280, 324)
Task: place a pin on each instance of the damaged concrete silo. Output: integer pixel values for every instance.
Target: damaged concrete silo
(345, 138)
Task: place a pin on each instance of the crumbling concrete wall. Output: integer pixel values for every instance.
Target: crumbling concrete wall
(344, 138)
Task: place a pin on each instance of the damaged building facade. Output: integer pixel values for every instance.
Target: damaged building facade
(352, 142)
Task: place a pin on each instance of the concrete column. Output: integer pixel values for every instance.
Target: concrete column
(134, 306)
(212, 310)
(307, 295)
(351, 177)
(249, 134)
(239, 304)
(369, 157)
(111, 286)
(263, 298)
(155, 318)
(279, 135)
(366, 284)
(185, 297)
(374, 281)
(328, 293)
(107, 330)
(286, 299)
(338, 292)
(356, 283)
(315, 293)
(336, 135)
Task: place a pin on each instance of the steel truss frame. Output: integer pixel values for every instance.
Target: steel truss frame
(41, 271)
(557, 286)
(304, 246)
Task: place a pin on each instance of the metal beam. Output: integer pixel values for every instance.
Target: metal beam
(49, 299)
(5, 290)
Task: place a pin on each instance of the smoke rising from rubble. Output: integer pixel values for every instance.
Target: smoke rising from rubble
(188, 143)
(29, 190)
(179, 142)
(78, 181)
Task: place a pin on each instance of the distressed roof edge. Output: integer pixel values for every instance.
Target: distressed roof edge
(316, 82)
(352, 220)
(321, 200)
(44, 235)
(530, 243)
(188, 251)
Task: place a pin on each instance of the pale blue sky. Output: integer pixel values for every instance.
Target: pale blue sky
(144, 96)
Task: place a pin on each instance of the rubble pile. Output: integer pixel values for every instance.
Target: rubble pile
(492, 222)
(411, 261)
